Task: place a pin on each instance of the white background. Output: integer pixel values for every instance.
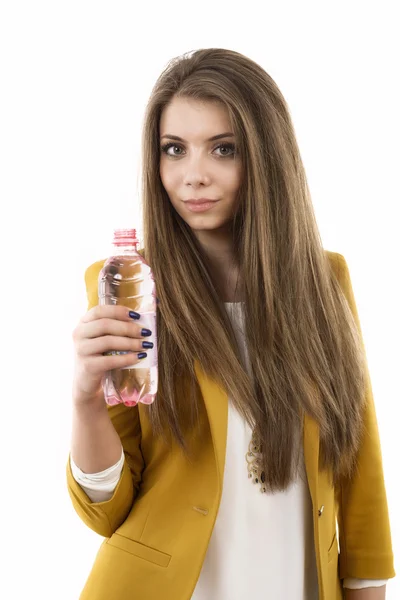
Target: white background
(75, 78)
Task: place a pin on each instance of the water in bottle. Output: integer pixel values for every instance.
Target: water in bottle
(126, 279)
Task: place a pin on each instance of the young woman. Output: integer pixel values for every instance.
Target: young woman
(257, 471)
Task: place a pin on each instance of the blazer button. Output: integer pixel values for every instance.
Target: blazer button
(203, 511)
(320, 510)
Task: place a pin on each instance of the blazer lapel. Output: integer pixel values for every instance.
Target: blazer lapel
(311, 455)
(216, 403)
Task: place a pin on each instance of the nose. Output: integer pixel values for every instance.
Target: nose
(196, 173)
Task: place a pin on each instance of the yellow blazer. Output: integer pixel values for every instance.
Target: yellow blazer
(159, 520)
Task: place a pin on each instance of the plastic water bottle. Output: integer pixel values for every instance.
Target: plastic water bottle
(127, 280)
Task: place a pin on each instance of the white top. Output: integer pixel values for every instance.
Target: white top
(257, 537)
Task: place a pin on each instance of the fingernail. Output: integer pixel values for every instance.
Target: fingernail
(134, 315)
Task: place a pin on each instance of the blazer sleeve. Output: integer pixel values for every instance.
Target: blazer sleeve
(363, 520)
(105, 517)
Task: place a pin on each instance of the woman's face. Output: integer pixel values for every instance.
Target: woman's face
(195, 166)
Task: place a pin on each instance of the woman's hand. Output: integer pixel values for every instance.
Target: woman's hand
(102, 329)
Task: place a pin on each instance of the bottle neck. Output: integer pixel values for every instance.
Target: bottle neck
(124, 249)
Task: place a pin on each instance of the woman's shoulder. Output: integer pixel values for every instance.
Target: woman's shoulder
(93, 270)
(337, 262)
(91, 281)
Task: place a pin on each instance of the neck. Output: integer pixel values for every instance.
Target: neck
(222, 264)
(226, 280)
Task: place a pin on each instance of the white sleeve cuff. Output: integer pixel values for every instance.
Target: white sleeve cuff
(99, 486)
(355, 584)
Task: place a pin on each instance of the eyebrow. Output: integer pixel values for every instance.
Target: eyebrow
(211, 139)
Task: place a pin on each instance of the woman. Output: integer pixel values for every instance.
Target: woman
(263, 380)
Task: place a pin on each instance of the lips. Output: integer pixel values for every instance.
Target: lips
(200, 200)
(200, 206)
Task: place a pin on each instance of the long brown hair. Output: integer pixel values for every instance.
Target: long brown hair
(303, 344)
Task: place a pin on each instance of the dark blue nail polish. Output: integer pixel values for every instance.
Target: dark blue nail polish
(142, 354)
(146, 332)
(147, 344)
(134, 315)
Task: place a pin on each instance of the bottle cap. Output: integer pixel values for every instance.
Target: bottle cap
(125, 237)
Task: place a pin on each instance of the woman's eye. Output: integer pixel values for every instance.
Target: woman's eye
(227, 150)
(166, 147)
(229, 147)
